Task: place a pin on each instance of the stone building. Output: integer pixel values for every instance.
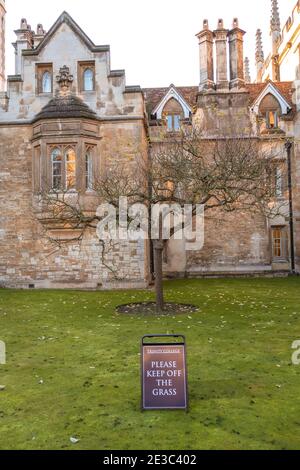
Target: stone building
(65, 114)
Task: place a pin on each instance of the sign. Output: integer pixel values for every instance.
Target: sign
(164, 374)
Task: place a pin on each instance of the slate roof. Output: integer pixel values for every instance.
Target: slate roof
(153, 96)
(286, 89)
(69, 106)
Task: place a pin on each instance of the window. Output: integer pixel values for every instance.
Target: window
(270, 110)
(86, 74)
(63, 163)
(70, 164)
(47, 82)
(278, 182)
(88, 169)
(272, 120)
(173, 122)
(56, 160)
(173, 115)
(44, 78)
(279, 243)
(88, 80)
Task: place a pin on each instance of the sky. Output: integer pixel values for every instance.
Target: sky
(154, 41)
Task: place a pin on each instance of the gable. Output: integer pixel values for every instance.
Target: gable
(270, 90)
(64, 45)
(173, 94)
(66, 19)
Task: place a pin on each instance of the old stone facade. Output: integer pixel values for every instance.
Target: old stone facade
(65, 115)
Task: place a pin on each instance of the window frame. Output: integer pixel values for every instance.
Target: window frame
(89, 168)
(41, 70)
(173, 117)
(83, 67)
(63, 151)
(60, 176)
(276, 120)
(70, 174)
(282, 254)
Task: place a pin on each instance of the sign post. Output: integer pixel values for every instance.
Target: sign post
(164, 373)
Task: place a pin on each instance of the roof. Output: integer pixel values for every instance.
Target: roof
(153, 96)
(66, 18)
(67, 106)
(286, 89)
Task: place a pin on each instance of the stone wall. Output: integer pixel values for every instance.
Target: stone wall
(27, 257)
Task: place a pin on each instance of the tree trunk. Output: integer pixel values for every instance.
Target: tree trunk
(158, 264)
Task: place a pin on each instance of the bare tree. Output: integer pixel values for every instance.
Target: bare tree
(227, 173)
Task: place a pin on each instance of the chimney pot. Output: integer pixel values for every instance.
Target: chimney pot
(23, 23)
(220, 24)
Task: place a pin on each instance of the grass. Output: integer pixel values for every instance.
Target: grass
(73, 368)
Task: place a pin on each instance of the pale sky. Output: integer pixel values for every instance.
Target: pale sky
(154, 41)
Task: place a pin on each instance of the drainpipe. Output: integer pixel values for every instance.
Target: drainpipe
(288, 147)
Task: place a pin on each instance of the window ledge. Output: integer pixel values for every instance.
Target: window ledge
(272, 131)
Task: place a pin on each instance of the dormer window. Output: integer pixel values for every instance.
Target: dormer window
(173, 115)
(172, 111)
(44, 78)
(86, 76)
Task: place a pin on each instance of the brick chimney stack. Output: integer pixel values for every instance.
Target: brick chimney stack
(206, 44)
(220, 35)
(2, 45)
(236, 55)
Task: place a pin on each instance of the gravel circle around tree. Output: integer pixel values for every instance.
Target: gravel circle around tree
(149, 308)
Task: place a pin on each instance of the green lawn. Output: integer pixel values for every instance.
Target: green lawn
(73, 368)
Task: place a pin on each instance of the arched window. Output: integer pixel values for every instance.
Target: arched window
(56, 160)
(47, 82)
(88, 169)
(88, 80)
(70, 163)
(271, 110)
(173, 114)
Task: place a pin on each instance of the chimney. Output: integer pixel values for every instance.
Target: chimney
(236, 55)
(2, 45)
(206, 43)
(39, 35)
(259, 56)
(24, 41)
(220, 35)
